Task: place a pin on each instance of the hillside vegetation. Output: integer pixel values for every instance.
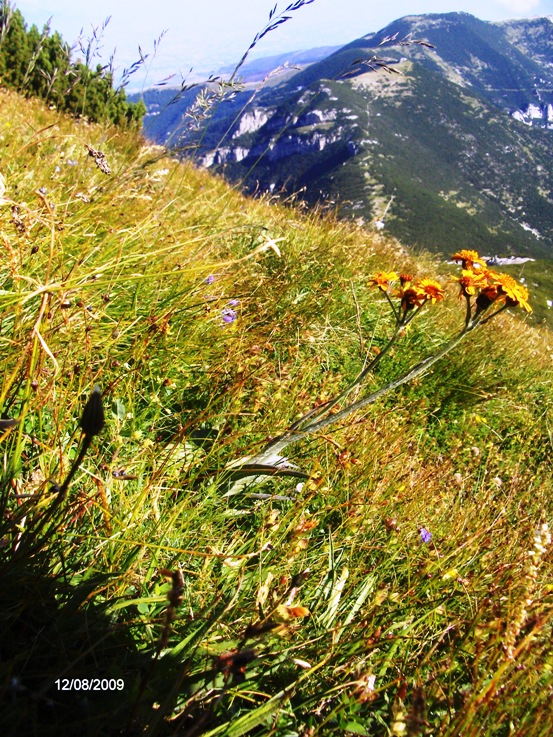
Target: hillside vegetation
(436, 128)
(392, 576)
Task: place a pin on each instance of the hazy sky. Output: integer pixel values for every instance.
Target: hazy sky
(205, 34)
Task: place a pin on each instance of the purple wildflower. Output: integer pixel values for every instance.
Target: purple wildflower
(229, 315)
(425, 535)
(233, 302)
(209, 279)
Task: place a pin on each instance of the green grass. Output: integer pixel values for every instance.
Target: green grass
(104, 280)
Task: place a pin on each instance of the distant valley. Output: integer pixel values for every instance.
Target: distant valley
(438, 129)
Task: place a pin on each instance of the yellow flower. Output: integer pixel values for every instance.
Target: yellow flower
(431, 290)
(470, 281)
(419, 292)
(468, 258)
(382, 280)
(509, 289)
(411, 297)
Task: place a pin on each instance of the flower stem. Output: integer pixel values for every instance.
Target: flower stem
(322, 418)
(327, 406)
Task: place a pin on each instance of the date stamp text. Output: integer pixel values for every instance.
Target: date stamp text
(89, 684)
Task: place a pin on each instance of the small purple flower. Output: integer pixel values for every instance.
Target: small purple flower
(42, 190)
(72, 162)
(233, 302)
(209, 279)
(425, 535)
(229, 315)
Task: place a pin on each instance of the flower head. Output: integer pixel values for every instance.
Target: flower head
(468, 258)
(382, 280)
(415, 294)
(229, 315)
(511, 291)
(425, 535)
(470, 281)
(431, 290)
(411, 297)
(487, 296)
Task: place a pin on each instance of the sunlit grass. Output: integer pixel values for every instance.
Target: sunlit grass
(308, 605)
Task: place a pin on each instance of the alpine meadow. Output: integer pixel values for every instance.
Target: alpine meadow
(266, 470)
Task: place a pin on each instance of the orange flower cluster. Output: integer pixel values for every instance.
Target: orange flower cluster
(487, 285)
(413, 293)
(476, 280)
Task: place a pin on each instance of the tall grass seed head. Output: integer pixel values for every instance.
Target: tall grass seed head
(99, 159)
(92, 418)
(542, 541)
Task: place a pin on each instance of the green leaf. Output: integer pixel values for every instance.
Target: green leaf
(356, 728)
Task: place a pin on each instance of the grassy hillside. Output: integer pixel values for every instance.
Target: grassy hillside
(396, 579)
(446, 157)
(446, 146)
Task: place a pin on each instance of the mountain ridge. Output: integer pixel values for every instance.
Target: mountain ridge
(456, 146)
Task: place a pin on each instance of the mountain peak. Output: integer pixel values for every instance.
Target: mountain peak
(454, 149)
